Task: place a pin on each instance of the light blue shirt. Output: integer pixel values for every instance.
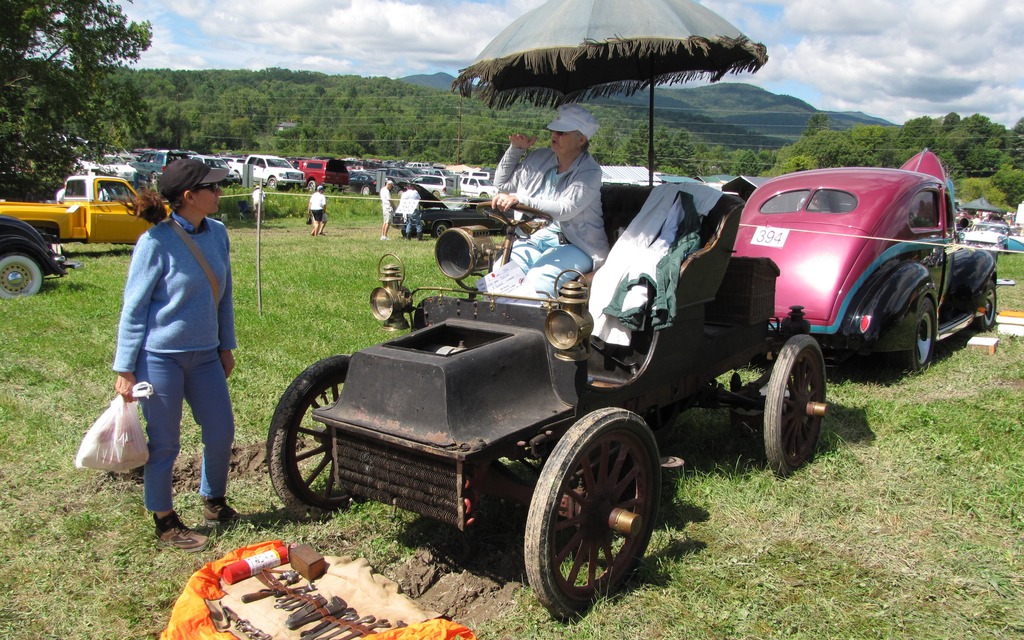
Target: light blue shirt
(572, 199)
(168, 301)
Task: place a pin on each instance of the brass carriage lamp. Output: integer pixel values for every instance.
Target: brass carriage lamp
(463, 251)
(392, 299)
(568, 327)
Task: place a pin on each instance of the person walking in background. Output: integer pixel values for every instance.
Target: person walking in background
(387, 207)
(257, 201)
(409, 207)
(317, 210)
(177, 332)
(563, 181)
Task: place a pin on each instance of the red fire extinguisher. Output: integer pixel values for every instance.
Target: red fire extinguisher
(248, 567)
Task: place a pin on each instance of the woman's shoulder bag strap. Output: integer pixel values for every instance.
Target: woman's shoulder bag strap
(194, 248)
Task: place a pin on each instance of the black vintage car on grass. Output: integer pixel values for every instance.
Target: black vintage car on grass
(508, 396)
(25, 259)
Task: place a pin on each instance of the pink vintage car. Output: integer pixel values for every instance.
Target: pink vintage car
(866, 252)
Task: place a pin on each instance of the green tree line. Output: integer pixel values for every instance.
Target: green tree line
(67, 95)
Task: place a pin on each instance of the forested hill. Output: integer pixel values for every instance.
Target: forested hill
(745, 106)
(306, 113)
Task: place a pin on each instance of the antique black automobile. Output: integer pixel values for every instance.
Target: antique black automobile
(516, 401)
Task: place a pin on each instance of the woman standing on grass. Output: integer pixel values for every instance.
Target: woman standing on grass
(177, 331)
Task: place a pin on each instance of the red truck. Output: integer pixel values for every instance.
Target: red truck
(319, 171)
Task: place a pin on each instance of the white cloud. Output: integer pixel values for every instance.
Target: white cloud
(899, 60)
(895, 60)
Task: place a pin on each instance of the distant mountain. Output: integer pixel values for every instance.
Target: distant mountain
(719, 113)
(759, 110)
(442, 81)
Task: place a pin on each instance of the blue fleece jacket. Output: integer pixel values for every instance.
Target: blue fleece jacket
(168, 300)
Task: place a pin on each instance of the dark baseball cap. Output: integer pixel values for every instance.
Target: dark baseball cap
(187, 173)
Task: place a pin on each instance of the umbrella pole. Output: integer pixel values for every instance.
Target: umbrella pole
(650, 138)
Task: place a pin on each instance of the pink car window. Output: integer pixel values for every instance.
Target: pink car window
(788, 202)
(832, 201)
(924, 211)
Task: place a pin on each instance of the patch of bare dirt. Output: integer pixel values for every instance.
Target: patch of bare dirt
(462, 594)
(245, 460)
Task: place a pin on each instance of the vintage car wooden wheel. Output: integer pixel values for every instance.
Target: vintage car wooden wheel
(796, 387)
(298, 448)
(592, 511)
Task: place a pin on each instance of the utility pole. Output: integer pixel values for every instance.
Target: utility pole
(458, 143)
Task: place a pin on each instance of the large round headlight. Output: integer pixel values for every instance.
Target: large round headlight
(383, 303)
(463, 251)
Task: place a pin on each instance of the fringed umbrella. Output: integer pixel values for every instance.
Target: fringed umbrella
(577, 50)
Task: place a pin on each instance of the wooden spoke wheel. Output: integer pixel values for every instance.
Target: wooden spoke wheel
(592, 511)
(299, 448)
(795, 405)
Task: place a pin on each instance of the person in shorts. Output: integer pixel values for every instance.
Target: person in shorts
(387, 207)
(317, 210)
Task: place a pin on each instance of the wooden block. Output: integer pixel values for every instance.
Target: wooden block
(984, 343)
(310, 564)
(1011, 329)
(1006, 318)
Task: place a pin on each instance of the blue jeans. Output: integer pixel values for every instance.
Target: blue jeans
(413, 221)
(543, 258)
(198, 377)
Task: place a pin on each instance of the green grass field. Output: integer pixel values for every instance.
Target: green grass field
(908, 524)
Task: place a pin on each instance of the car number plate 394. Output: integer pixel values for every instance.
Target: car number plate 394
(769, 237)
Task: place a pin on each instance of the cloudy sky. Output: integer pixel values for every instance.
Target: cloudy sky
(894, 59)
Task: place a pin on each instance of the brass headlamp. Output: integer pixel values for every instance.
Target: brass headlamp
(568, 327)
(392, 299)
(464, 251)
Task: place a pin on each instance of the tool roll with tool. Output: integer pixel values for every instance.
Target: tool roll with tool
(311, 598)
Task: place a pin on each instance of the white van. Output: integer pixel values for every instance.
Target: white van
(477, 187)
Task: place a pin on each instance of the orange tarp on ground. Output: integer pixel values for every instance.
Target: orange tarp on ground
(190, 618)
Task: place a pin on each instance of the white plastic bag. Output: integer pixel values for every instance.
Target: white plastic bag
(116, 441)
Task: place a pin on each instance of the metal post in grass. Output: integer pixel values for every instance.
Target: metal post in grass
(259, 228)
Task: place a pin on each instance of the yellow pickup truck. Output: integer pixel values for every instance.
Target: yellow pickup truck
(90, 209)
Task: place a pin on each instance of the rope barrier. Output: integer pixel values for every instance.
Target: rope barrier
(949, 246)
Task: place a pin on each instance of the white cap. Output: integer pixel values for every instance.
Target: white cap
(573, 117)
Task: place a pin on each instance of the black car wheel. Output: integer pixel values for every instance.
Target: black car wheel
(987, 320)
(366, 191)
(299, 450)
(271, 182)
(311, 185)
(20, 276)
(440, 227)
(919, 356)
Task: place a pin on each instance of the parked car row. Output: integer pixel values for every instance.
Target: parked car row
(277, 172)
